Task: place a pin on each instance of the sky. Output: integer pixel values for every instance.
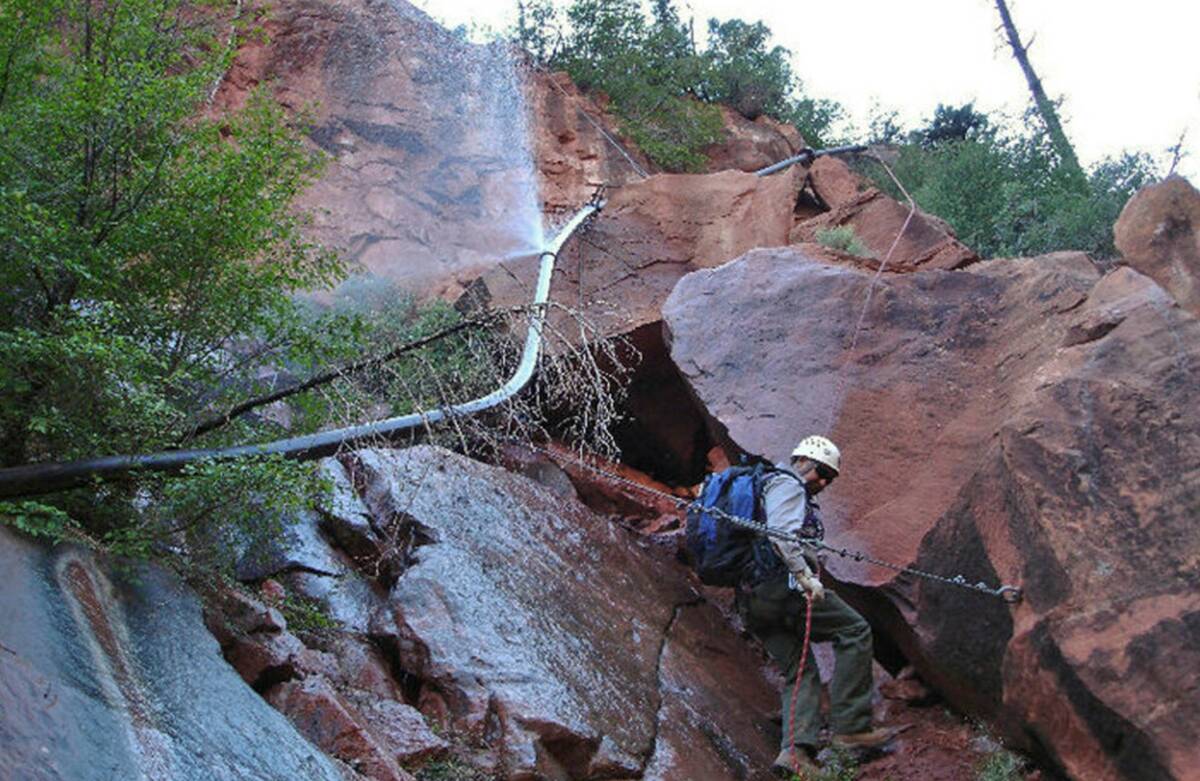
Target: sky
(1129, 72)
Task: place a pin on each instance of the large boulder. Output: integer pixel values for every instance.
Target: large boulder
(748, 145)
(551, 640)
(1158, 233)
(103, 677)
(1026, 421)
(883, 224)
(430, 175)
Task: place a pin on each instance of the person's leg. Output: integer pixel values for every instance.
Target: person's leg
(775, 615)
(850, 690)
(802, 699)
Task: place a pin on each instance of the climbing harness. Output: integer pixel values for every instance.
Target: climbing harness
(1008, 593)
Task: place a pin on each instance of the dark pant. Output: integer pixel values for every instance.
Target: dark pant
(775, 614)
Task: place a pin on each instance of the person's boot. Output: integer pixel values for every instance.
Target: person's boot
(875, 739)
(795, 760)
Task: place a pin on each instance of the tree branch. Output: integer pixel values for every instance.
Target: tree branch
(238, 410)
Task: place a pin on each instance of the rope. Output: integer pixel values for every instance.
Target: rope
(840, 387)
(808, 611)
(912, 209)
(1008, 593)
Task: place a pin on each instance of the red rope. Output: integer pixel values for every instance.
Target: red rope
(808, 608)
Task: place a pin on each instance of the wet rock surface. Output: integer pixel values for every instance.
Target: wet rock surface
(1025, 421)
(430, 177)
(540, 639)
(102, 679)
(546, 635)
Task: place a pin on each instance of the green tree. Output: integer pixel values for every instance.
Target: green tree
(954, 123)
(147, 249)
(1006, 192)
(648, 71)
(744, 73)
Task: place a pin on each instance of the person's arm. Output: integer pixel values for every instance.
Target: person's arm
(786, 504)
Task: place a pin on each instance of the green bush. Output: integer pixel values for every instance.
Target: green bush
(1000, 765)
(1004, 191)
(838, 765)
(844, 239)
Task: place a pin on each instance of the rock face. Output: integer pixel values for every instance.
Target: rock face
(649, 235)
(926, 243)
(573, 154)
(548, 637)
(1025, 421)
(550, 641)
(101, 679)
(431, 175)
(748, 145)
(1158, 234)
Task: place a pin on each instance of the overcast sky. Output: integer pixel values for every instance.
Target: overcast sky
(1130, 72)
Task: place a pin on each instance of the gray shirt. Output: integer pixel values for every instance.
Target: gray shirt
(785, 502)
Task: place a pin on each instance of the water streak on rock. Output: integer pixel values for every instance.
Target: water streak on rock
(100, 623)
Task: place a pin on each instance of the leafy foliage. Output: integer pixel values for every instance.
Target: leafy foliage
(304, 615)
(837, 765)
(843, 238)
(659, 83)
(743, 73)
(141, 242)
(1000, 765)
(1005, 191)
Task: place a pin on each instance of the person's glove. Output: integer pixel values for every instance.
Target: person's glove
(809, 584)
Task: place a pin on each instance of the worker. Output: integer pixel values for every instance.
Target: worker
(773, 608)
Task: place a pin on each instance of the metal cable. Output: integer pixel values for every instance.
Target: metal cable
(641, 171)
(1006, 592)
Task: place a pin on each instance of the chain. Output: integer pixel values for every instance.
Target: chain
(1010, 594)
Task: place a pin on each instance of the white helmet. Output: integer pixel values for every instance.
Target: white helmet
(819, 449)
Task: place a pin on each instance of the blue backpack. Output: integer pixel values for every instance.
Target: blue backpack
(724, 553)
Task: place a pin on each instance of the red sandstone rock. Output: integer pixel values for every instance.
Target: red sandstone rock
(360, 666)
(272, 591)
(926, 243)
(321, 715)
(430, 177)
(1158, 233)
(789, 132)
(1025, 421)
(605, 495)
(750, 145)
(254, 639)
(401, 729)
(573, 155)
(549, 632)
(834, 183)
(651, 233)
